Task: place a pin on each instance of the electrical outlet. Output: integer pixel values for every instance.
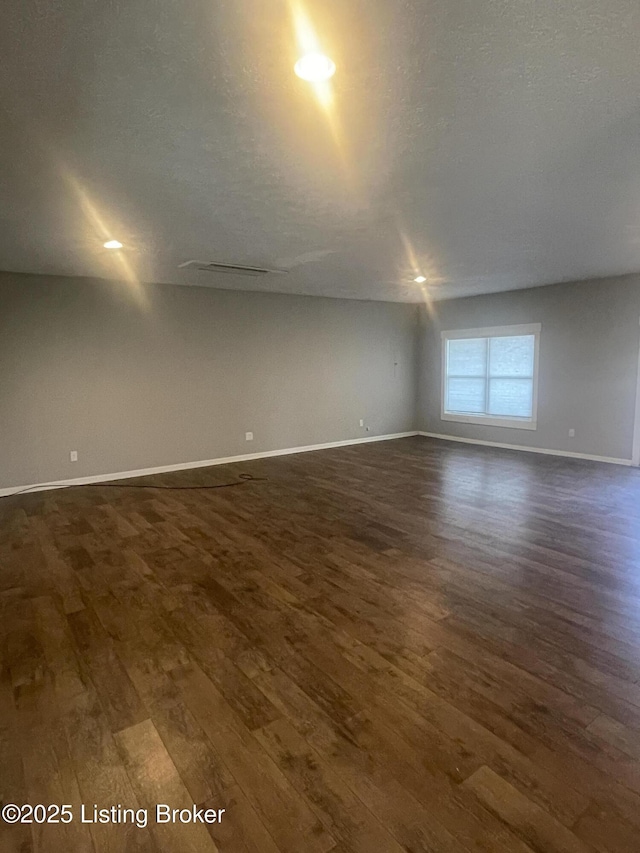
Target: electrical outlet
(361, 422)
(248, 436)
(572, 433)
(73, 455)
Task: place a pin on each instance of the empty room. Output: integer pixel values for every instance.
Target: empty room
(320, 426)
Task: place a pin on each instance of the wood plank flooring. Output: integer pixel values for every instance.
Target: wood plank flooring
(403, 646)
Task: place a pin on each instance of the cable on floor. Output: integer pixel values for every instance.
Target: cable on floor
(241, 481)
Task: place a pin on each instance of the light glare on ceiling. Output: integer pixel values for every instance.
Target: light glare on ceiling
(420, 279)
(315, 68)
(113, 244)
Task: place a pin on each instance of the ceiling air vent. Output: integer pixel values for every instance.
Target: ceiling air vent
(230, 269)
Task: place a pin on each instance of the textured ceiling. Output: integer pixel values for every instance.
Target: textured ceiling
(493, 144)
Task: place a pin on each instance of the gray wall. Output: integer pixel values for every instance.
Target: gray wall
(167, 375)
(141, 378)
(588, 363)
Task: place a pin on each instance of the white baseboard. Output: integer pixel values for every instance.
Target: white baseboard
(611, 459)
(186, 466)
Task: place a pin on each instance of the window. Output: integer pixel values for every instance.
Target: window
(490, 376)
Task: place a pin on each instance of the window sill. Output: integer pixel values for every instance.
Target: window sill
(483, 420)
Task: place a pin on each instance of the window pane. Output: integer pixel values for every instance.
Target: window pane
(511, 397)
(512, 356)
(466, 395)
(467, 357)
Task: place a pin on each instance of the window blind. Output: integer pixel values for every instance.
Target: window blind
(491, 376)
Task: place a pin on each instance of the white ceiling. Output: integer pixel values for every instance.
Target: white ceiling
(494, 144)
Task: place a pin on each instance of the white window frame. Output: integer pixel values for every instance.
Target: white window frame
(492, 332)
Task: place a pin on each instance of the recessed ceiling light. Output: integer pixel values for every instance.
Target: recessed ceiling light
(420, 279)
(315, 67)
(113, 244)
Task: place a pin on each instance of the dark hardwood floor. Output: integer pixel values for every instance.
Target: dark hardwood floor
(404, 646)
